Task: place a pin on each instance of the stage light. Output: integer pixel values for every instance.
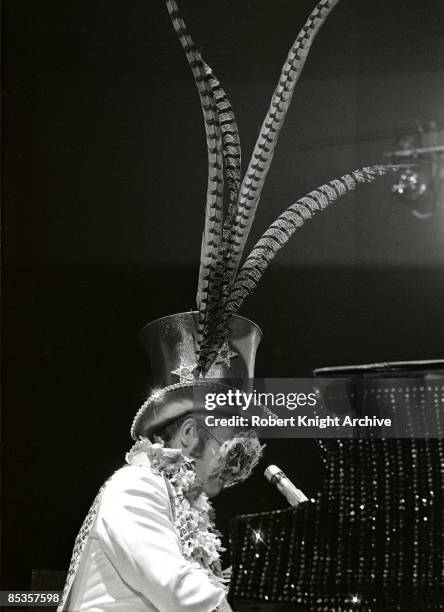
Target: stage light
(419, 184)
(410, 185)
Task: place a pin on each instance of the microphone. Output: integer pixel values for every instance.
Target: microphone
(277, 477)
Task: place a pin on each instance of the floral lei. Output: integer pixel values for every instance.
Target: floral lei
(199, 540)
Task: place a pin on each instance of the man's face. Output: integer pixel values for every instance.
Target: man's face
(212, 484)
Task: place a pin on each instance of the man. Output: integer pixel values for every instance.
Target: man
(133, 560)
(149, 542)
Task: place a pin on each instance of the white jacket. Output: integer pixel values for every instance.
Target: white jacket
(131, 560)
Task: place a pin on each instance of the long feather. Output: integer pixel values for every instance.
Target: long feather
(232, 174)
(212, 234)
(276, 236)
(231, 145)
(260, 162)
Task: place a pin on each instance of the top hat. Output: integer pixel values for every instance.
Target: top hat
(172, 351)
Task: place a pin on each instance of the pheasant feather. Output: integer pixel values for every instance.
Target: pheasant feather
(212, 234)
(276, 236)
(260, 162)
(231, 145)
(232, 175)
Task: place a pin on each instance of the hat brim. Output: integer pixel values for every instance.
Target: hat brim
(170, 404)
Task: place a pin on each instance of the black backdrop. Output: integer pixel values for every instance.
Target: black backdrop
(104, 181)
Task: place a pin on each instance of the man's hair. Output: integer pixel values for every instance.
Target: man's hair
(168, 432)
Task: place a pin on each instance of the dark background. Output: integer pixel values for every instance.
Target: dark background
(103, 197)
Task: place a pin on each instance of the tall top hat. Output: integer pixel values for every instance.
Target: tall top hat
(171, 344)
(232, 201)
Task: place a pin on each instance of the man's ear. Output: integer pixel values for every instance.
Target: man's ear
(188, 434)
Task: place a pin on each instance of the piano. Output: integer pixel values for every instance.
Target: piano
(372, 540)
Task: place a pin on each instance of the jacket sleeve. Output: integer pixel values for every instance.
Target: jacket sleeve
(136, 532)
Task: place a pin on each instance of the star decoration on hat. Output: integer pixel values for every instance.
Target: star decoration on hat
(225, 354)
(184, 372)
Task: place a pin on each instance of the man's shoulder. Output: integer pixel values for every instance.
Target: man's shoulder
(134, 489)
(135, 478)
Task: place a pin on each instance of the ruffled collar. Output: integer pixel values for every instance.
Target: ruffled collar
(155, 455)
